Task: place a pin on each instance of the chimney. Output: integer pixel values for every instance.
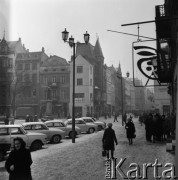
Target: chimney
(43, 50)
(19, 39)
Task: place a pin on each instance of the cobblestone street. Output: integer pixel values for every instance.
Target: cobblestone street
(83, 160)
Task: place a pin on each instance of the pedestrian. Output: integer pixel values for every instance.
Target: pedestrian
(108, 140)
(149, 128)
(35, 119)
(19, 161)
(130, 130)
(6, 120)
(27, 118)
(115, 117)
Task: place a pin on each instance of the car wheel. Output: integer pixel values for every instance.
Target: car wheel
(100, 128)
(56, 139)
(70, 134)
(36, 145)
(91, 130)
(1, 156)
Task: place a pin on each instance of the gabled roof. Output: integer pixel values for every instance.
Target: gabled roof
(97, 50)
(54, 61)
(85, 50)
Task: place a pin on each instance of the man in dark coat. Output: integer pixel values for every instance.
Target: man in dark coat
(19, 162)
(108, 140)
(27, 118)
(130, 127)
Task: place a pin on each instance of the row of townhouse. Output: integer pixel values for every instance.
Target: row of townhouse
(42, 85)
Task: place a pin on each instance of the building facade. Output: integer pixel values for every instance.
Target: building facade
(27, 91)
(84, 87)
(8, 54)
(54, 87)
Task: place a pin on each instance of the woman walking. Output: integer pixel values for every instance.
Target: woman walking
(130, 127)
(19, 161)
(108, 140)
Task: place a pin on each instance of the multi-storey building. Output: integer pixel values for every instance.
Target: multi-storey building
(8, 53)
(83, 86)
(27, 94)
(94, 53)
(139, 96)
(54, 94)
(111, 88)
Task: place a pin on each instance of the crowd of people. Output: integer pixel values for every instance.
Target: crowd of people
(158, 127)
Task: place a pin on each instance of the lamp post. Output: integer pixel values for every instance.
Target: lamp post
(128, 74)
(119, 75)
(73, 44)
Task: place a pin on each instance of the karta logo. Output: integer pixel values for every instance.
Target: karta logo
(135, 171)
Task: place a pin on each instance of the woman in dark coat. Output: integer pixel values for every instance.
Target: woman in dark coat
(108, 140)
(130, 127)
(19, 161)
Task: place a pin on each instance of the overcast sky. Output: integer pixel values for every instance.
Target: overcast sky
(39, 23)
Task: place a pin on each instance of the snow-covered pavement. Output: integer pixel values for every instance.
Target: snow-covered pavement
(83, 161)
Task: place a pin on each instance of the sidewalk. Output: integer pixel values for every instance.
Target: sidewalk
(83, 161)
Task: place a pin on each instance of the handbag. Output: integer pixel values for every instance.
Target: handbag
(103, 153)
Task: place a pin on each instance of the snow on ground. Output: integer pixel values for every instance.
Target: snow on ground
(83, 161)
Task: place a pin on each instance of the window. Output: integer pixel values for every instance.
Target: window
(58, 124)
(16, 131)
(79, 95)
(28, 127)
(26, 78)
(54, 79)
(79, 69)
(19, 66)
(91, 69)
(27, 66)
(34, 92)
(3, 131)
(34, 66)
(50, 124)
(63, 94)
(90, 82)
(79, 82)
(34, 78)
(62, 79)
(54, 92)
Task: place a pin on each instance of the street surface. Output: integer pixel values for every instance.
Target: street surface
(83, 161)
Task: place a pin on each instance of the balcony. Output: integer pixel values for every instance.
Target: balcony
(163, 22)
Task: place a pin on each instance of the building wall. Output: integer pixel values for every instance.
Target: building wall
(83, 105)
(162, 98)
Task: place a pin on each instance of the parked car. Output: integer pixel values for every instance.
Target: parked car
(101, 125)
(66, 128)
(34, 141)
(85, 127)
(53, 134)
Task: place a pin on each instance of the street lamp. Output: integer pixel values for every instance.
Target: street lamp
(73, 44)
(128, 74)
(119, 75)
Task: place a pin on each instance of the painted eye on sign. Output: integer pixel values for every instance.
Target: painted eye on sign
(145, 63)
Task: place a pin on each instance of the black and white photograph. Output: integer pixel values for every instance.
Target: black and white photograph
(88, 89)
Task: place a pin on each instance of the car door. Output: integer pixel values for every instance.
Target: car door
(18, 132)
(60, 125)
(40, 128)
(82, 125)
